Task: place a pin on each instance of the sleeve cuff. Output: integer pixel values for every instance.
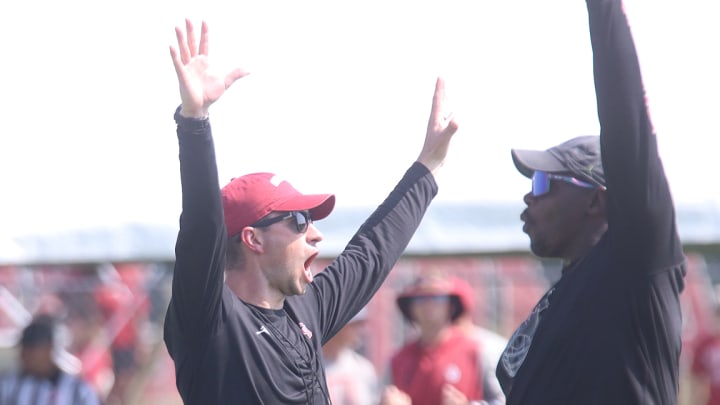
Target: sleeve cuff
(190, 123)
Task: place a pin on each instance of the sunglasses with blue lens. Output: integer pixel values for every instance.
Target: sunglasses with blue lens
(541, 182)
(302, 220)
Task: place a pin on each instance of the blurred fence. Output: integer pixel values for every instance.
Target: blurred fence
(113, 313)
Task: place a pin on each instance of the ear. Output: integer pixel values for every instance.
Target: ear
(252, 238)
(598, 203)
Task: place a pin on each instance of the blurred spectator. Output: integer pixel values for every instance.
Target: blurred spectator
(492, 344)
(351, 377)
(124, 306)
(443, 365)
(88, 344)
(40, 380)
(706, 366)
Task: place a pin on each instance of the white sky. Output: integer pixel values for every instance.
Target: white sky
(337, 100)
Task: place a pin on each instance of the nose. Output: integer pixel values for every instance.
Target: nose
(313, 234)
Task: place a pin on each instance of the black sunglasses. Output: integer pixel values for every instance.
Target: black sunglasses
(302, 220)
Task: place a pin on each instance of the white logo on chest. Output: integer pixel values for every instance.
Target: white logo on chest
(452, 373)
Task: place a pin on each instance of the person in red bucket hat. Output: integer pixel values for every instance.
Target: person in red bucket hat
(443, 365)
(247, 318)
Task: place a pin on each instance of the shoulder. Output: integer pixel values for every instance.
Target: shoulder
(8, 377)
(85, 392)
(362, 367)
(358, 358)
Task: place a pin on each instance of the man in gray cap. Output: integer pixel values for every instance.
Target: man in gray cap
(608, 332)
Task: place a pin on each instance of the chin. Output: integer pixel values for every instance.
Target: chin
(302, 288)
(293, 290)
(538, 250)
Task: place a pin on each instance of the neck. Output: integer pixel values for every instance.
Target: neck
(50, 373)
(583, 244)
(433, 336)
(251, 287)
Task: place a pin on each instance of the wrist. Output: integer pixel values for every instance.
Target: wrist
(189, 122)
(194, 113)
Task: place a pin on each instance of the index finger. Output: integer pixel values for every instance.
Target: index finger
(439, 96)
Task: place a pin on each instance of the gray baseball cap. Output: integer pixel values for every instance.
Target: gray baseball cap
(579, 156)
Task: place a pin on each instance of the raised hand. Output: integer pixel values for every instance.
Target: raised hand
(392, 395)
(453, 396)
(199, 85)
(441, 128)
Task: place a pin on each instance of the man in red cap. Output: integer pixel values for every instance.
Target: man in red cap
(246, 320)
(444, 365)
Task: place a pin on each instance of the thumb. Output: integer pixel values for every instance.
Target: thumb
(451, 128)
(233, 76)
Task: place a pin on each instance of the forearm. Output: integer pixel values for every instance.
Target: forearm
(362, 267)
(618, 82)
(198, 170)
(624, 122)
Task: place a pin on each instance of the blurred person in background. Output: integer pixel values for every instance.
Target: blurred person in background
(89, 342)
(443, 365)
(124, 307)
(491, 343)
(351, 377)
(706, 366)
(39, 380)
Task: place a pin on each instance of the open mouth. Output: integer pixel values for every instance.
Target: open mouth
(308, 271)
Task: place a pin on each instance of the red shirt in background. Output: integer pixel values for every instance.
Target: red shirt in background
(421, 372)
(706, 362)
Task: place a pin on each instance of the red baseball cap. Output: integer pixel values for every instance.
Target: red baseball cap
(249, 198)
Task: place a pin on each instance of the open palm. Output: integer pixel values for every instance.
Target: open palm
(200, 86)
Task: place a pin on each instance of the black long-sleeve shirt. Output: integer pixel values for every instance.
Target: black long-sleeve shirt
(609, 331)
(230, 352)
